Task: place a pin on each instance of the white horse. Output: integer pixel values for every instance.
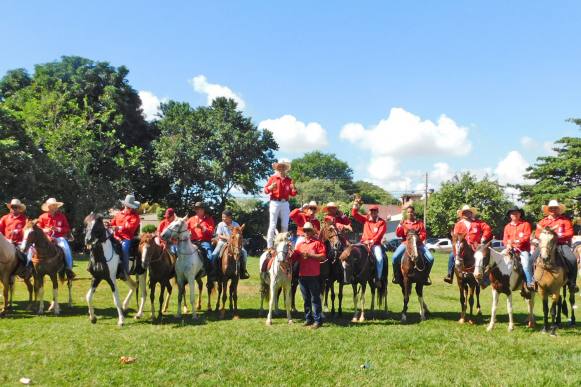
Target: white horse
(188, 262)
(279, 275)
(505, 278)
(96, 234)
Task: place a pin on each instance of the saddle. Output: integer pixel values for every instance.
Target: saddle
(267, 264)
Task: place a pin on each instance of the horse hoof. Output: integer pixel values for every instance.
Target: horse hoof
(461, 321)
(471, 322)
(403, 319)
(361, 319)
(572, 323)
(137, 316)
(268, 322)
(290, 322)
(530, 324)
(510, 328)
(489, 328)
(553, 333)
(235, 317)
(544, 331)
(120, 323)
(422, 318)
(354, 320)
(93, 320)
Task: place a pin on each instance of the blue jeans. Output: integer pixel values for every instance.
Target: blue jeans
(64, 244)
(126, 250)
(311, 291)
(398, 254)
(451, 262)
(378, 253)
(527, 265)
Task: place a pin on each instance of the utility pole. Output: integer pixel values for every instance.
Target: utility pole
(426, 198)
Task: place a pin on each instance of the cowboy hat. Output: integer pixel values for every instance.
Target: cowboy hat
(313, 204)
(130, 202)
(329, 205)
(308, 226)
(373, 207)
(49, 203)
(17, 203)
(553, 203)
(169, 213)
(516, 209)
(199, 205)
(282, 163)
(466, 207)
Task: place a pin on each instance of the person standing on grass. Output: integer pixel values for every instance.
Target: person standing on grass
(309, 253)
(280, 188)
(303, 215)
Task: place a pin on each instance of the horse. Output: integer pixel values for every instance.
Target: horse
(334, 245)
(550, 276)
(229, 270)
(506, 276)
(413, 269)
(278, 275)
(49, 259)
(188, 263)
(103, 266)
(9, 264)
(467, 284)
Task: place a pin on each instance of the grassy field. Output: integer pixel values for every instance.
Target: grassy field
(69, 350)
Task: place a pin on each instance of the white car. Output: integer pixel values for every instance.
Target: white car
(442, 245)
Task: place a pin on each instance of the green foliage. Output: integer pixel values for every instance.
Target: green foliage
(486, 195)
(318, 165)
(148, 228)
(13, 81)
(373, 194)
(251, 212)
(320, 190)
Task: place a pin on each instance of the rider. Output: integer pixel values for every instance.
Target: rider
(125, 225)
(373, 230)
(168, 217)
(12, 224)
(309, 253)
(201, 227)
(56, 226)
(279, 187)
(303, 215)
(517, 235)
(556, 220)
(405, 225)
(475, 230)
(223, 233)
(335, 217)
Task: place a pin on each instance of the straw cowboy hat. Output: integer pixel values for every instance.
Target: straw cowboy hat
(329, 205)
(51, 202)
(553, 203)
(16, 203)
(130, 202)
(282, 163)
(312, 204)
(466, 207)
(308, 226)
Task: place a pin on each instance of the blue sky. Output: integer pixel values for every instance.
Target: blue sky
(505, 74)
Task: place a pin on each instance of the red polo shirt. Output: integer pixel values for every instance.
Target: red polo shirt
(128, 221)
(309, 267)
(474, 231)
(163, 225)
(417, 225)
(283, 188)
(518, 235)
(338, 220)
(300, 218)
(11, 227)
(205, 232)
(560, 224)
(57, 223)
(372, 230)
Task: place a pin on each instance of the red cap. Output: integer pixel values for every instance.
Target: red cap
(373, 207)
(169, 213)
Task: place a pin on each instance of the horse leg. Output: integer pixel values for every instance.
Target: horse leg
(224, 287)
(462, 303)
(181, 287)
(6, 291)
(89, 298)
(271, 301)
(143, 295)
(218, 295)
(530, 308)
(509, 310)
(471, 303)
(294, 285)
(362, 316)
(234, 286)
(555, 311)
(112, 281)
(332, 289)
(420, 293)
(30, 289)
(372, 307)
(495, 297)
(39, 293)
(70, 290)
(200, 287)
(192, 283)
(132, 287)
(405, 290)
(167, 298)
(478, 308)
(163, 287)
(545, 313)
(209, 288)
(55, 294)
(355, 314)
(572, 305)
(340, 310)
(186, 310)
(152, 298)
(287, 303)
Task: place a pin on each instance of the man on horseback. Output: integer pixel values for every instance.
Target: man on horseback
(279, 187)
(563, 227)
(476, 231)
(303, 215)
(201, 227)
(12, 225)
(309, 253)
(517, 235)
(223, 233)
(125, 225)
(335, 217)
(168, 217)
(56, 226)
(411, 223)
(373, 230)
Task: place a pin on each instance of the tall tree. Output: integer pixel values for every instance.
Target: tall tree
(373, 194)
(319, 165)
(320, 190)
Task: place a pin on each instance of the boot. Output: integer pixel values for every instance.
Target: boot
(573, 282)
(428, 281)
(243, 273)
(397, 277)
(450, 277)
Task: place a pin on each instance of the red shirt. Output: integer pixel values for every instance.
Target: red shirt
(11, 227)
(205, 232)
(518, 235)
(417, 225)
(128, 223)
(309, 267)
(476, 231)
(300, 218)
(561, 225)
(338, 220)
(163, 225)
(372, 230)
(57, 223)
(283, 188)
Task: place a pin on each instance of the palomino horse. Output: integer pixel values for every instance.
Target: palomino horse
(550, 277)
(229, 270)
(103, 266)
(9, 264)
(414, 270)
(188, 263)
(158, 261)
(334, 245)
(49, 259)
(506, 276)
(464, 270)
(278, 276)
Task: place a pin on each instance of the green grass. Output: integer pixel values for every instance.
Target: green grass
(69, 350)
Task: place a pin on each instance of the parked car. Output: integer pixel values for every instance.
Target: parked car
(392, 244)
(442, 245)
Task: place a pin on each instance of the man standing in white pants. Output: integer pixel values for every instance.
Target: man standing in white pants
(280, 187)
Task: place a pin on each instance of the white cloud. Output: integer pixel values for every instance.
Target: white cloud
(383, 168)
(293, 135)
(548, 147)
(214, 90)
(150, 104)
(511, 169)
(528, 143)
(403, 133)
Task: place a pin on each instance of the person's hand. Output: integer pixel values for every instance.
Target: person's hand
(305, 206)
(292, 186)
(46, 230)
(272, 187)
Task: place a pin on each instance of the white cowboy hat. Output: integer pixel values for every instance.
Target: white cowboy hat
(466, 207)
(553, 203)
(130, 202)
(50, 203)
(308, 226)
(282, 163)
(313, 204)
(329, 205)
(17, 203)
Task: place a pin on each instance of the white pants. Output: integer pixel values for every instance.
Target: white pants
(277, 210)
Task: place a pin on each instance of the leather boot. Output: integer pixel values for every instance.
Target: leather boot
(243, 273)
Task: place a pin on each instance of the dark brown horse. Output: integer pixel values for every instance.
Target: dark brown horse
(158, 261)
(49, 259)
(414, 269)
(334, 244)
(230, 271)
(467, 283)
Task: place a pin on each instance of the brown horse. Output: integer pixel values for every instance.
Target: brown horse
(334, 244)
(160, 264)
(414, 270)
(230, 257)
(9, 265)
(49, 259)
(467, 283)
(550, 277)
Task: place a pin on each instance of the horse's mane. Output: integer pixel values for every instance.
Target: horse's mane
(281, 237)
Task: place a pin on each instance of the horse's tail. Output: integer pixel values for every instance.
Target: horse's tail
(564, 308)
(63, 275)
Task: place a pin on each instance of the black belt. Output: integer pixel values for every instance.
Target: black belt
(279, 200)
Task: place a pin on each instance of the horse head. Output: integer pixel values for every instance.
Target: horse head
(147, 246)
(236, 241)
(95, 230)
(282, 246)
(178, 229)
(32, 234)
(482, 260)
(412, 245)
(330, 235)
(461, 245)
(548, 244)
